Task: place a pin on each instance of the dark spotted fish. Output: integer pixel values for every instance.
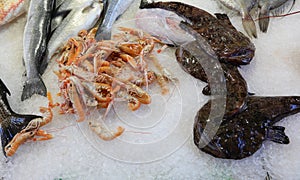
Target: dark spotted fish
(228, 44)
(11, 122)
(236, 85)
(242, 135)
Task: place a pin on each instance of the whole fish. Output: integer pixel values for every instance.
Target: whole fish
(227, 43)
(162, 24)
(242, 135)
(11, 122)
(10, 9)
(267, 6)
(83, 17)
(243, 7)
(112, 9)
(36, 34)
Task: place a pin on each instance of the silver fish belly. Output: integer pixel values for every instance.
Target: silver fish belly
(112, 10)
(36, 32)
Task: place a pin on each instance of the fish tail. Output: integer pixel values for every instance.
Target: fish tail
(249, 26)
(33, 86)
(276, 134)
(103, 34)
(263, 20)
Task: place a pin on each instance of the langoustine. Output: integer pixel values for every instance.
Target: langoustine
(18, 128)
(98, 73)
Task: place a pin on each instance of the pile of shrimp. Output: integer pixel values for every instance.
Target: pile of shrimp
(95, 74)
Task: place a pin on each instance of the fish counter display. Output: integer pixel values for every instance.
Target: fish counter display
(134, 107)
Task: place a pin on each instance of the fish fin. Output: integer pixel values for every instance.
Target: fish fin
(249, 26)
(294, 1)
(33, 86)
(281, 9)
(102, 32)
(276, 134)
(102, 14)
(3, 88)
(43, 63)
(43, 66)
(224, 19)
(264, 19)
(57, 18)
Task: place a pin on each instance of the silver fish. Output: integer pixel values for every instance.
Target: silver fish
(243, 7)
(80, 18)
(37, 30)
(112, 9)
(267, 6)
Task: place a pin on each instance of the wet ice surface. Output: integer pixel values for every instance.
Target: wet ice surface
(76, 153)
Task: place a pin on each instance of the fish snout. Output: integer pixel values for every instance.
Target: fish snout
(241, 56)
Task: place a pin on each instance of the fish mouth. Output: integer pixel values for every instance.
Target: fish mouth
(240, 57)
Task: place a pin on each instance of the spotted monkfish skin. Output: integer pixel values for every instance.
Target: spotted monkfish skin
(10, 9)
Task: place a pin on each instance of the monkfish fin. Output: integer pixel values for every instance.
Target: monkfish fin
(276, 134)
(145, 4)
(224, 19)
(249, 25)
(34, 86)
(3, 88)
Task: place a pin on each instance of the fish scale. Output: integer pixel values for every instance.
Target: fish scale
(10, 9)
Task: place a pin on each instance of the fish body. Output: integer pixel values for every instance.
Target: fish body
(83, 17)
(112, 9)
(162, 24)
(266, 6)
(36, 34)
(64, 7)
(242, 135)
(236, 85)
(11, 122)
(10, 9)
(243, 7)
(228, 44)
